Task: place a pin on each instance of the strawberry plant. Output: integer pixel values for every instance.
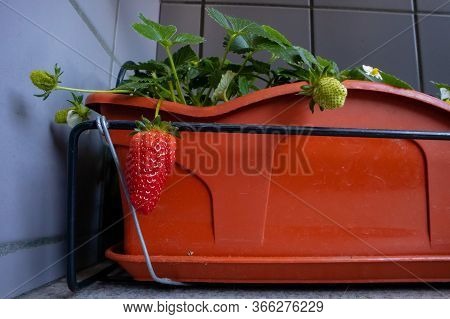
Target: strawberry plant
(186, 78)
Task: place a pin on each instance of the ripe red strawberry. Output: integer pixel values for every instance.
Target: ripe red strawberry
(150, 160)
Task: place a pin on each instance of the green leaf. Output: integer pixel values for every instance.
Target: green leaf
(394, 81)
(352, 74)
(327, 66)
(220, 93)
(275, 36)
(150, 66)
(264, 44)
(312, 103)
(186, 38)
(237, 26)
(155, 31)
(151, 33)
(260, 67)
(244, 85)
(183, 56)
(386, 78)
(441, 85)
(444, 90)
(242, 44)
(306, 56)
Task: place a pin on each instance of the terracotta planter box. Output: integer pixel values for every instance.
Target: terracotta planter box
(270, 208)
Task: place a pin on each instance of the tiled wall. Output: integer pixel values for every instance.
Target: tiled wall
(88, 39)
(408, 38)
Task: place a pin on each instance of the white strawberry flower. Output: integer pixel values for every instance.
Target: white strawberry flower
(445, 94)
(73, 118)
(371, 71)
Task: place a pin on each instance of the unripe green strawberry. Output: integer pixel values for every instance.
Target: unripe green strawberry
(329, 93)
(43, 80)
(61, 115)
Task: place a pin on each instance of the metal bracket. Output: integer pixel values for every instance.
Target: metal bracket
(72, 281)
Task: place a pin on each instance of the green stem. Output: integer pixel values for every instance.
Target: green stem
(157, 108)
(159, 86)
(65, 88)
(227, 50)
(175, 75)
(248, 57)
(172, 92)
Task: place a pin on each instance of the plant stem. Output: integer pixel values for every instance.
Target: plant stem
(65, 88)
(175, 75)
(163, 89)
(227, 50)
(172, 92)
(248, 57)
(158, 105)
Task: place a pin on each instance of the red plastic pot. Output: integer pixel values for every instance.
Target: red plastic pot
(264, 208)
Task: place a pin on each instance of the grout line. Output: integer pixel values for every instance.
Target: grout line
(92, 28)
(311, 28)
(14, 246)
(342, 8)
(418, 47)
(111, 67)
(202, 27)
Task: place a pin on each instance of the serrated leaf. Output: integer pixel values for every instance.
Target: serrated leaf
(441, 85)
(444, 90)
(186, 38)
(244, 85)
(260, 67)
(394, 81)
(241, 44)
(386, 78)
(237, 26)
(351, 74)
(148, 32)
(150, 66)
(220, 93)
(275, 36)
(183, 56)
(264, 44)
(306, 56)
(153, 30)
(327, 67)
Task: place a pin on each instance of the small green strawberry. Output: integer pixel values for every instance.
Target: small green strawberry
(329, 93)
(324, 85)
(61, 115)
(45, 81)
(74, 114)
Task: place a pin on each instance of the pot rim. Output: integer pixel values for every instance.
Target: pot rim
(292, 88)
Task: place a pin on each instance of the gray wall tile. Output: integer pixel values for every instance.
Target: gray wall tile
(129, 45)
(187, 18)
(31, 268)
(266, 2)
(292, 22)
(35, 35)
(438, 6)
(367, 4)
(193, 1)
(435, 50)
(33, 170)
(385, 40)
